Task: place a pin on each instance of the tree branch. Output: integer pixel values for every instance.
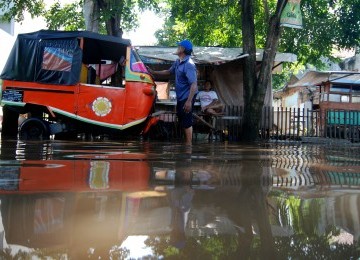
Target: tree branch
(272, 40)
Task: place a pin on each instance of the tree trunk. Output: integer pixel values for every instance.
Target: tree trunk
(255, 86)
(113, 26)
(248, 30)
(113, 21)
(91, 12)
(91, 15)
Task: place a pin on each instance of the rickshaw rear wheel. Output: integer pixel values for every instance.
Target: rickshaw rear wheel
(33, 129)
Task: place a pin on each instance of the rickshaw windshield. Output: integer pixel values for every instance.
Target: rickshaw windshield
(136, 64)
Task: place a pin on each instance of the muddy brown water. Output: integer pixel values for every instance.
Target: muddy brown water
(156, 200)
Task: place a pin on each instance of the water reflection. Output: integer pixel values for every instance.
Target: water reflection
(130, 200)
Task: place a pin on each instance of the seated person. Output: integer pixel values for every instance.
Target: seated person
(210, 104)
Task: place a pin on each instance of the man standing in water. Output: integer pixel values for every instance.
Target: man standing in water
(185, 86)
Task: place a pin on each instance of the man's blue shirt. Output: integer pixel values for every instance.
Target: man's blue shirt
(185, 75)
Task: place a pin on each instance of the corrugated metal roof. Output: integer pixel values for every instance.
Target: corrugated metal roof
(205, 55)
(353, 79)
(316, 78)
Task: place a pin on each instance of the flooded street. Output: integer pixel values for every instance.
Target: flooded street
(130, 200)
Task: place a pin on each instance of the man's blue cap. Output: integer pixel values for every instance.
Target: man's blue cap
(186, 44)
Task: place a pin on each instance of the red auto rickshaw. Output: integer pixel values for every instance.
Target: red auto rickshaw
(68, 83)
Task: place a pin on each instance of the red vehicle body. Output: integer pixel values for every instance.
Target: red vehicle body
(68, 83)
(53, 203)
(34, 176)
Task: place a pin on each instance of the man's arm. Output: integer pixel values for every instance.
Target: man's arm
(188, 103)
(160, 72)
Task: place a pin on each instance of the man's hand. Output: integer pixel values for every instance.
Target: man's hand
(150, 70)
(187, 106)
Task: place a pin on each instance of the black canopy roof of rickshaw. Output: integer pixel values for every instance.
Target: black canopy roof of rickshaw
(96, 46)
(29, 60)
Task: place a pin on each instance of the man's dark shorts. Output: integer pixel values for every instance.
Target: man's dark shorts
(185, 119)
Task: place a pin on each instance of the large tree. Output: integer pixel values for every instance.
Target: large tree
(256, 84)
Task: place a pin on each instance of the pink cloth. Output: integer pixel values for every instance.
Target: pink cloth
(106, 70)
(138, 67)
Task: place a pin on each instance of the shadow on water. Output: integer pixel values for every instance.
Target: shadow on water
(121, 200)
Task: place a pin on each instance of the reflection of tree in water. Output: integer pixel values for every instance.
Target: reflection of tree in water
(301, 246)
(304, 217)
(304, 243)
(244, 205)
(265, 225)
(215, 247)
(115, 253)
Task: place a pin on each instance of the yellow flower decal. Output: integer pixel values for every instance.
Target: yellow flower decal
(99, 175)
(101, 106)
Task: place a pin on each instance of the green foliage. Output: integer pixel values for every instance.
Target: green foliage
(68, 17)
(300, 246)
(316, 39)
(16, 9)
(348, 18)
(206, 23)
(211, 247)
(327, 24)
(302, 215)
(280, 80)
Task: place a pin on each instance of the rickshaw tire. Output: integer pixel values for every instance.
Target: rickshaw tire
(34, 129)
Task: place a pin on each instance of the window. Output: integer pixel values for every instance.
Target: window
(356, 90)
(355, 94)
(334, 97)
(340, 88)
(339, 98)
(345, 99)
(355, 99)
(136, 63)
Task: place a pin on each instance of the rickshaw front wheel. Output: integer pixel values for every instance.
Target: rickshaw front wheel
(33, 129)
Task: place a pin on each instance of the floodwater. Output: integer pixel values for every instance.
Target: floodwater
(156, 200)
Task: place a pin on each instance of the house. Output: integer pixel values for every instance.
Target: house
(329, 90)
(329, 102)
(300, 93)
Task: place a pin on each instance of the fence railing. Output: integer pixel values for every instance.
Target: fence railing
(280, 123)
(294, 123)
